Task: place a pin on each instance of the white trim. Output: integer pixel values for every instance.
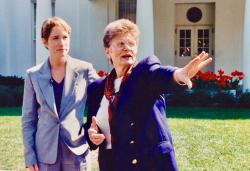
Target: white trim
(145, 22)
(246, 46)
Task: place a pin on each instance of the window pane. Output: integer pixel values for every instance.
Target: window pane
(187, 51)
(184, 52)
(127, 9)
(206, 33)
(188, 42)
(182, 42)
(185, 42)
(206, 50)
(200, 33)
(200, 50)
(181, 51)
(188, 33)
(200, 43)
(182, 33)
(206, 43)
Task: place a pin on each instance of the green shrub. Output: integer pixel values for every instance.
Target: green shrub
(244, 100)
(177, 96)
(224, 99)
(11, 80)
(11, 91)
(201, 98)
(11, 96)
(178, 99)
(207, 98)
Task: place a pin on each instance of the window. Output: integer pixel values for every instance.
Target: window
(185, 42)
(203, 40)
(127, 9)
(194, 14)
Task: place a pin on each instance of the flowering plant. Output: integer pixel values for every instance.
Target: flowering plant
(102, 73)
(218, 81)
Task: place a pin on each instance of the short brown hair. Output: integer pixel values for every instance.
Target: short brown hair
(120, 27)
(50, 23)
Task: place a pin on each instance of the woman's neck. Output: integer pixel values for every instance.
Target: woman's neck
(57, 62)
(58, 68)
(120, 72)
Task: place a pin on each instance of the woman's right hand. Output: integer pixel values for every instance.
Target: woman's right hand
(33, 167)
(94, 136)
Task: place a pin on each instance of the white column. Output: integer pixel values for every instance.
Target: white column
(145, 22)
(44, 11)
(246, 47)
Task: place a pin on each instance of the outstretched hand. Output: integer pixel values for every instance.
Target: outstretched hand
(94, 136)
(184, 75)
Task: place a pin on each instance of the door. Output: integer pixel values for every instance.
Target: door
(191, 41)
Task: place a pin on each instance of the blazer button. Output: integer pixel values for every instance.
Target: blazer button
(132, 124)
(57, 122)
(131, 142)
(134, 161)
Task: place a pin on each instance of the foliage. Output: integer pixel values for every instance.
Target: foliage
(244, 100)
(220, 81)
(212, 90)
(11, 95)
(224, 99)
(11, 80)
(11, 90)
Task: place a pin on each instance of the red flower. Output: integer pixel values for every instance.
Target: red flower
(211, 80)
(102, 73)
(221, 72)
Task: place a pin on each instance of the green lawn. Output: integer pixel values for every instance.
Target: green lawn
(206, 139)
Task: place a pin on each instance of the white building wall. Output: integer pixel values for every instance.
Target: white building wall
(44, 11)
(228, 32)
(229, 35)
(15, 37)
(88, 20)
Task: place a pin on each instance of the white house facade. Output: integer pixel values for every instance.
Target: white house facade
(174, 30)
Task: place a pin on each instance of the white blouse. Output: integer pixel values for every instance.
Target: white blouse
(103, 115)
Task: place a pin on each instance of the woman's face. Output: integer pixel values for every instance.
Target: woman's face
(122, 51)
(58, 42)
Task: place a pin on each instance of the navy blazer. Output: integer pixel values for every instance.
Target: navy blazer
(141, 139)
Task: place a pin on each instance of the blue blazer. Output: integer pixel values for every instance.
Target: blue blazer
(42, 125)
(141, 139)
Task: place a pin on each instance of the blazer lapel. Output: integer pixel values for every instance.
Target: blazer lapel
(70, 82)
(44, 81)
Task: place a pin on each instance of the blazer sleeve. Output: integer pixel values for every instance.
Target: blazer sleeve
(29, 121)
(89, 112)
(159, 77)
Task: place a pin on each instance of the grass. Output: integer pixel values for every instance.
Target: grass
(10, 111)
(11, 148)
(205, 139)
(216, 145)
(208, 113)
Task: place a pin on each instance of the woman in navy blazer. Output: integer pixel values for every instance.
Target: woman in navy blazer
(126, 110)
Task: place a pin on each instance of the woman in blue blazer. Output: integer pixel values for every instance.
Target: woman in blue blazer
(126, 110)
(53, 104)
